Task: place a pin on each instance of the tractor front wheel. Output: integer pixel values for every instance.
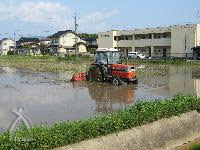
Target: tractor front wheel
(116, 81)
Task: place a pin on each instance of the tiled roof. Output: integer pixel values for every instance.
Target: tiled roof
(27, 39)
(59, 33)
(4, 40)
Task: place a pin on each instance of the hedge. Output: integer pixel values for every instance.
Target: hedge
(194, 147)
(61, 134)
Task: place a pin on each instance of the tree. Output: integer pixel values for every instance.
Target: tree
(44, 49)
(86, 35)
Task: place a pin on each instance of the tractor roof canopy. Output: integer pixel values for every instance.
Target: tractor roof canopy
(107, 56)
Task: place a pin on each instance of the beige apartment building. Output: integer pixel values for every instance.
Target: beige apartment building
(172, 41)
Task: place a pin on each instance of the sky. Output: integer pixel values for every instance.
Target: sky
(45, 17)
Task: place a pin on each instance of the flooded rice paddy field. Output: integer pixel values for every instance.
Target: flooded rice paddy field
(48, 98)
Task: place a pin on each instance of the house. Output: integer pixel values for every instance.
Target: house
(91, 42)
(6, 45)
(161, 42)
(28, 46)
(45, 41)
(63, 42)
(28, 40)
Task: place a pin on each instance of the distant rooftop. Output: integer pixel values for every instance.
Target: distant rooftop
(60, 33)
(28, 39)
(4, 39)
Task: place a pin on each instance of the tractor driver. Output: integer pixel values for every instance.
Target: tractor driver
(102, 58)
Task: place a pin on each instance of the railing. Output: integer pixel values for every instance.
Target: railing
(172, 55)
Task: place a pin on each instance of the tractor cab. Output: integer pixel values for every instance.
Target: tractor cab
(108, 56)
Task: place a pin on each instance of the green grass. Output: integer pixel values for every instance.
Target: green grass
(195, 147)
(164, 61)
(66, 133)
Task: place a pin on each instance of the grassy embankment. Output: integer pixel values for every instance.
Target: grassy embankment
(61, 134)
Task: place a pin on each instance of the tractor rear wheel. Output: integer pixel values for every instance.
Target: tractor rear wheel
(95, 74)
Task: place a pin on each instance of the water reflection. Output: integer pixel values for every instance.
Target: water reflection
(106, 96)
(196, 77)
(183, 81)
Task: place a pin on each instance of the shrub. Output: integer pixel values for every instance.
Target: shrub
(61, 134)
(10, 52)
(195, 147)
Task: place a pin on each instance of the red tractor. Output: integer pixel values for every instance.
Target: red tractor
(108, 67)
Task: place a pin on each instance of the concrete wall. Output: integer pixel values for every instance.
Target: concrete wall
(165, 134)
(182, 39)
(106, 39)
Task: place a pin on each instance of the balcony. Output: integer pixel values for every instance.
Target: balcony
(161, 42)
(152, 42)
(125, 43)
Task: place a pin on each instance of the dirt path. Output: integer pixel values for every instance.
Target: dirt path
(186, 146)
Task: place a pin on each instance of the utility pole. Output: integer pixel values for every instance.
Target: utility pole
(185, 29)
(198, 16)
(14, 44)
(76, 25)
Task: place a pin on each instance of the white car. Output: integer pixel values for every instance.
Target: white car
(136, 55)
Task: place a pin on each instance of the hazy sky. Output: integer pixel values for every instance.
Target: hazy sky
(43, 17)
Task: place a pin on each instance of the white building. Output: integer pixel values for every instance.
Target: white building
(45, 41)
(64, 41)
(173, 41)
(6, 44)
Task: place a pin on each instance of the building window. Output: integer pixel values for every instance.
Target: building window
(150, 36)
(143, 37)
(105, 35)
(126, 38)
(143, 50)
(115, 38)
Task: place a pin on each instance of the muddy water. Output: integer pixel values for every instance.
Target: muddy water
(47, 98)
